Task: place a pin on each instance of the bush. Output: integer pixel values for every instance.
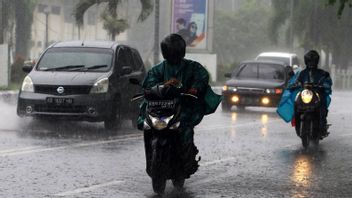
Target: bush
(17, 75)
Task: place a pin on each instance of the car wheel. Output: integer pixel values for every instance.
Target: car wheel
(225, 107)
(241, 107)
(113, 121)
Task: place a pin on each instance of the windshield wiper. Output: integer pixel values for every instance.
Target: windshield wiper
(64, 67)
(96, 66)
(92, 67)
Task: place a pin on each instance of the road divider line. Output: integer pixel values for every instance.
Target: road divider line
(259, 123)
(219, 161)
(89, 188)
(15, 152)
(19, 149)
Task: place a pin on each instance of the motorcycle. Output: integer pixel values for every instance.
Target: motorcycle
(309, 114)
(161, 134)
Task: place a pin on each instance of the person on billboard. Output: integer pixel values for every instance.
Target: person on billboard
(181, 28)
(192, 33)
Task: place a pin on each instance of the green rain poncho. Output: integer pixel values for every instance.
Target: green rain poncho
(192, 75)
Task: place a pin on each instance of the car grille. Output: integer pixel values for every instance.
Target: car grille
(68, 90)
(250, 90)
(59, 109)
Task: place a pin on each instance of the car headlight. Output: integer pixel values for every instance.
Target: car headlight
(268, 91)
(27, 85)
(306, 96)
(234, 89)
(160, 123)
(101, 86)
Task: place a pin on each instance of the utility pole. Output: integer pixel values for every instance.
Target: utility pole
(1, 23)
(156, 31)
(46, 12)
(291, 25)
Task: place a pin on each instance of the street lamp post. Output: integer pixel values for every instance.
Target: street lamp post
(46, 12)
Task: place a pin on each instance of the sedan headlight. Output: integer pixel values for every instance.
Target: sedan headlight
(101, 86)
(306, 96)
(269, 91)
(160, 123)
(27, 85)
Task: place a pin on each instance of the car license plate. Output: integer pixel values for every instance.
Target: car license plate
(59, 101)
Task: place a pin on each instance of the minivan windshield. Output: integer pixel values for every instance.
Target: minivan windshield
(76, 59)
(275, 58)
(261, 71)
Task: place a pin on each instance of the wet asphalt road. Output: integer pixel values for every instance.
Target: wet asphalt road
(244, 154)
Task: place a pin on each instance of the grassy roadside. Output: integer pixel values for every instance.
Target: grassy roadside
(11, 87)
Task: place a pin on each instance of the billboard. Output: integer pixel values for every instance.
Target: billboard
(190, 20)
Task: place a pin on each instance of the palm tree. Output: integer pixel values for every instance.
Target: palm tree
(112, 23)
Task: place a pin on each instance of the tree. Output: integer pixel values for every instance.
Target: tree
(315, 25)
(6, 17)
(112, 23)
(241, 34)
(342, 5)
(24, 20)
(20, 14)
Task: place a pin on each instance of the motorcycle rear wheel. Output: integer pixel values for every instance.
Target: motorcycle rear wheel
(305, 141)
(158, 185)
(178, 183)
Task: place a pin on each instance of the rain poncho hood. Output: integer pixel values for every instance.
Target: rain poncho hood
(286, 105)
(192, 75)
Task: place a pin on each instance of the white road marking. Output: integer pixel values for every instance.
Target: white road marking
(89, 188)
(28, 150)
(19, 149)
(219, 161)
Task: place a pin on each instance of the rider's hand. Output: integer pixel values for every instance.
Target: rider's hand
(192, 91)
(294, 86)
(172, 82)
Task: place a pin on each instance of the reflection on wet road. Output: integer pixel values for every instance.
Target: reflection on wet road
(250, 153)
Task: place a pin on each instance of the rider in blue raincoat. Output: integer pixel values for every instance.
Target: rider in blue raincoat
(310, 74)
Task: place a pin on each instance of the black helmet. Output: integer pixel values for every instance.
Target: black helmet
(311, 59)
(173, 48)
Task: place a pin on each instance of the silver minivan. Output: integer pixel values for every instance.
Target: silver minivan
(82, 80)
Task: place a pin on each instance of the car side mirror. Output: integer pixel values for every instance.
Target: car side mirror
(227, 75)
(27, 66)
(126, 70)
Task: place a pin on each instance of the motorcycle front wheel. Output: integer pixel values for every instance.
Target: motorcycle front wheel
(158, 185)
(305, 141)
(178, 183)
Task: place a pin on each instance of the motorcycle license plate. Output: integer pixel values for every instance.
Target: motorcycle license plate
(165, 104)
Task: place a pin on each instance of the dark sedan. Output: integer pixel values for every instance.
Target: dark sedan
(255, 83)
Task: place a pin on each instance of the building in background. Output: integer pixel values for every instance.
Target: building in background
(55, 19)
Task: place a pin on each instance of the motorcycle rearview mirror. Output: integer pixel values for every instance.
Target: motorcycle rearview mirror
(135, 81)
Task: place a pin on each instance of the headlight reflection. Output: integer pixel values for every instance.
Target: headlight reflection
(264, 129)
(302, 171)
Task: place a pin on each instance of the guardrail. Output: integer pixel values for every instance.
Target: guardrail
(342, 78)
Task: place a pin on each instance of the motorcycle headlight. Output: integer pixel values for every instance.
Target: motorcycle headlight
(306, 96)
(160, 123)
(101, 86)
(27, 85)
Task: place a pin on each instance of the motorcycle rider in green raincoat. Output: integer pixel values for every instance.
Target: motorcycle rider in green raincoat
(175, 70)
